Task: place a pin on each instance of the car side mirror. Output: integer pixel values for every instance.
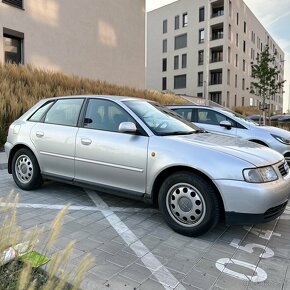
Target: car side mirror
(226, 124)
(127, 127)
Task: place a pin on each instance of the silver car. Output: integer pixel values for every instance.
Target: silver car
(226, 122)
(140, 149)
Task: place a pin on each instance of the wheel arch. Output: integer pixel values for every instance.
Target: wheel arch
(13, 151)
(168, 171)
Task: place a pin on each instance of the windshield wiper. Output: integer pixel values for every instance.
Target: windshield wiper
(177, 133)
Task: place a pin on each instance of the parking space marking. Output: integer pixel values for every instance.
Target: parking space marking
(162, 274)
(81, 208)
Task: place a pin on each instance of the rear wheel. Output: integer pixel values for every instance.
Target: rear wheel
(189, 203)
(25, 170)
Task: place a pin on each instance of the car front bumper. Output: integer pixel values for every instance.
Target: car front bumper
(249, 203)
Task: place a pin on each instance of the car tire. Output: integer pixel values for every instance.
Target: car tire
(25, 170)
(189, 203)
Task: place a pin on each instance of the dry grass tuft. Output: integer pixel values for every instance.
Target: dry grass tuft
(59, 271)
(22, 86)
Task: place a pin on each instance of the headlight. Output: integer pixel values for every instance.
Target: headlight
(281, 139)
(260, 175)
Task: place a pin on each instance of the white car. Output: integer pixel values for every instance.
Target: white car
(222, 121)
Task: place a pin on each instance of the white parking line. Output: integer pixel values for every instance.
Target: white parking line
(81, 208)
(162, 274)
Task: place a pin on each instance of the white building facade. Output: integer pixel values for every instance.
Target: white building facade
(205, 49)
(103, 39)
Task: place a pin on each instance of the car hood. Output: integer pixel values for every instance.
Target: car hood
(277, 131)
(256, 154)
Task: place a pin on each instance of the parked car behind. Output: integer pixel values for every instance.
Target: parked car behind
(257, 118)
(140, 149)
(222, 121)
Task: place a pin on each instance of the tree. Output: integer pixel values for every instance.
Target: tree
(266, 78)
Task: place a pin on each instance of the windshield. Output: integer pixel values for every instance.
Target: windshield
(161, 120)
(240, 117)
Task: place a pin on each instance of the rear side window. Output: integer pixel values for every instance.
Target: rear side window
(64, 112)
(37, 116)
(211, 117)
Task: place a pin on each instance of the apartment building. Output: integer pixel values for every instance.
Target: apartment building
(205, 49)
(103, 39)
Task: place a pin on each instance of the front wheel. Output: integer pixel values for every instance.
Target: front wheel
(189, 203)
(25, 170)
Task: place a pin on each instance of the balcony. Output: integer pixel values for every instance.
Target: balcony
(216, 54)
(216, 77)
(217, 9)
(217, 31)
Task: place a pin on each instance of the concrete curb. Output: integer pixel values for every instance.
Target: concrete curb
(3, 161)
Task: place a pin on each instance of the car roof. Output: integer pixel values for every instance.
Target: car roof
(107, 97)
(197, 106)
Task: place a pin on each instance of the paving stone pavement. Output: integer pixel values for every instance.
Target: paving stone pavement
(237, 257)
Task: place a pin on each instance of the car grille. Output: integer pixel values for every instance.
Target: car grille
(283, 168)
(275, 211)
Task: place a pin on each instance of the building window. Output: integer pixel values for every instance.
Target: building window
(164, 46)
(237, 18)
(165, 26)
(245, 27)
(237, 60)
(217, 32)
(235, 100)
(201, 14)
(176, 22)
(13, 46)
(200, 57)
(180, 41)
(15, 3)
(180, 82)
(243, 101)
(236, 81)
(200, 79)
(243, 84)
(164, 64)
(230, 8)
(199, 95)
(201, 36)
(229, 77)
(164, 84)
(176, 61)
(184, 60)
(244, 65)
(244, 46)
(228, 99)
(216, 77)
(229, 54)
(237, 39)
(230, 32)
(184, 20)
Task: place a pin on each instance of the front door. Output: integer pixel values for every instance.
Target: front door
(106, 157)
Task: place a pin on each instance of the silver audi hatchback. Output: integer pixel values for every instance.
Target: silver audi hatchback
(140, 149)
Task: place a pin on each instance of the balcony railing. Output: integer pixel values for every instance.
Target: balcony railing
(216, 36)
(215, 59)
(217, 13)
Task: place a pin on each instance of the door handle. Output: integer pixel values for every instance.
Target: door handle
(86, 141)
(39, 134)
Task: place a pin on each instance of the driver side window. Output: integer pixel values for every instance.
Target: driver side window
(211, 117)
(105, 115)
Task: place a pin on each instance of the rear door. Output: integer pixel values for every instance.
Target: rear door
(54, 137)
(106, 157)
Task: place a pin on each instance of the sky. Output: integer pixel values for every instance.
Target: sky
(275, 17)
